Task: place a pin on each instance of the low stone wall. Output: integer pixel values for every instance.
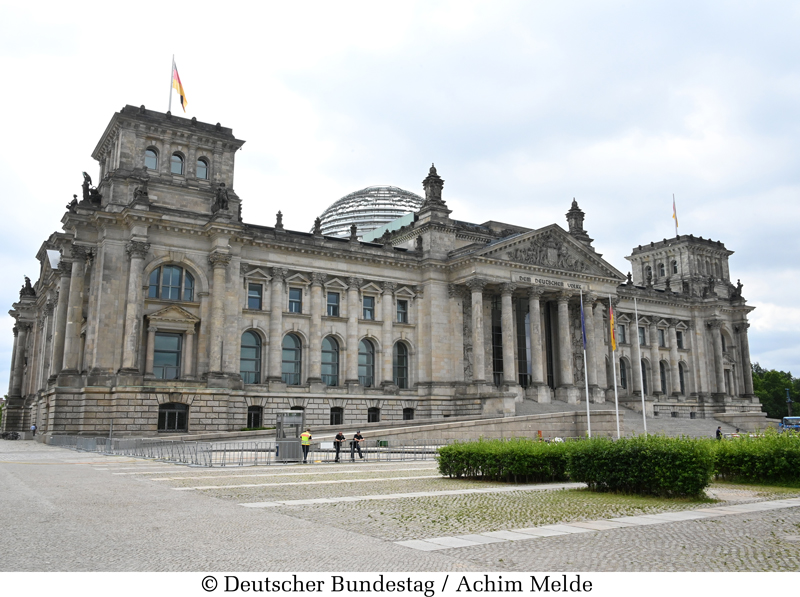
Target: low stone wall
(746, 421)
(568, 424)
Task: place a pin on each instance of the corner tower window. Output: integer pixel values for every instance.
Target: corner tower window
(151, 159)
(176, 164)
(202, 169)
(171, 283)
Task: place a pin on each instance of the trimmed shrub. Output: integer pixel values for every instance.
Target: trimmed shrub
(518, 460)
(651, 465)
(769, 458)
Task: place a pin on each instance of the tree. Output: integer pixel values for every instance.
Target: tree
(770, 387)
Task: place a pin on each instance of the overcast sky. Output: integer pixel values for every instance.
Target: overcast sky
(521, 105)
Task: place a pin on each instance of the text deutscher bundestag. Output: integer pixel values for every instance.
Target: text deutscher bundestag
(483, 583)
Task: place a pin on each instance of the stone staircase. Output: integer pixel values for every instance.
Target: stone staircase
(631, 421)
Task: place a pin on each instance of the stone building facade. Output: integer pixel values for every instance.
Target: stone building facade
(157, 309)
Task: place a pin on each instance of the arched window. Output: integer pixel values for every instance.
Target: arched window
(173, 416)
(373, 415)
(623, 375)
(400, 365)
(408, 414)
(682, 377)
(337, 415)
(644, 378)
(201, 169)
(663, 370)
(250, 359)
(172, 283)
(648, 272)
(674, 267)
(366, 364)
(662, 271)
(255, 417)
(330, 361)
(176, 163)
(151, 159)
(292, 355)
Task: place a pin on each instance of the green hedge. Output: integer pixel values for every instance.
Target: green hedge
(652, 465)
(770, 458)
(518, 460)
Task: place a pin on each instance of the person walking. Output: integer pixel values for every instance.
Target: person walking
(305, 440)
(719, 432)
(33, 430)
(356, 445)
(337, 443)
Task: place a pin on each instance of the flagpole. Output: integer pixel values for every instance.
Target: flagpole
(585, 371)
(675, 215)
(614, 369)
(171, 76)
(639, 357)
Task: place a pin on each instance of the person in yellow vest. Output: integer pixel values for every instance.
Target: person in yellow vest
(305, 440)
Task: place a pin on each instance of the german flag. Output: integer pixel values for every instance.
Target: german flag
(611, 325)
(177, 86)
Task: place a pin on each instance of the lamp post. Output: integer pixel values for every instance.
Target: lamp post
(788, 402)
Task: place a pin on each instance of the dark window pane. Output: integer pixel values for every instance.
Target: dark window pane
(369, 307)
(333, 304)
(295, 300)
(176, 164)
(402, 311)
(254, 296)
(188, 287)
(153, 290)
(150, 159)
(202, 169)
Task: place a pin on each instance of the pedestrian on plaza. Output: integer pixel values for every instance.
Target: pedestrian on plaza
(356, 445)
(337, 443)
(719, 432)
(305, 440)
(33, 430)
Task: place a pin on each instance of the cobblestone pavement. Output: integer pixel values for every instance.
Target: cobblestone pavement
(63, 510)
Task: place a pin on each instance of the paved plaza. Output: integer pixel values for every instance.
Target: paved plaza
(71, 511)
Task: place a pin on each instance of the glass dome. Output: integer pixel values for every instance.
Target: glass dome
(368, 209)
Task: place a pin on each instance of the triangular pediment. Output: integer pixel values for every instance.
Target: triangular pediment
(404, 292)
(551, 248)
(371, 288)
(298, 280)
(173, 314)
(254, 272)
(335, 284)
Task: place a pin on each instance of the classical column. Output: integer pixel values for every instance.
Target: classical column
(535, 331)
(72, 339)
(591, 341)
(601, 348)
(353, 284)
(60, 328)
(387, 307)
(636, 360)
(276, 323)
(719, 370)
(674, 359)
(150, 352)
(655, 359)
(219, 262)
(507, 329)
(187, 367)
(566, 377)
(747, 369)
(19, 362)
(315, 350)
(13, 361)
(478, 349)
(137, 251)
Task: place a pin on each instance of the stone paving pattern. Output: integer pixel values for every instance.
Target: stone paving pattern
(69, 511)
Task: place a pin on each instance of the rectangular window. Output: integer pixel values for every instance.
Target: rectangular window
(402, 311)
(662, 338)
(254, 296)
(642, 337)
(167, 356)
(295, 300)
(622, 335)
(333, 304)
(369, 307)
(679, 338)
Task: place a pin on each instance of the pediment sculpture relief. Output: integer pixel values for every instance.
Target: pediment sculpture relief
(547, 250)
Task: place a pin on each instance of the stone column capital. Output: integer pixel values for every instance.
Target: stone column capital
(137, 249)
(507, 288)
(318, 278)
(673, 322)
(535, 292)
(81, 253)
(279, 274)
(564, 296)
(151, 329)
(589, 298)
(218, 259)
(741, 328)
(714, 324)
(476, 284)
(354, 283)
(189, 332)
(388, 288)
(64, 266)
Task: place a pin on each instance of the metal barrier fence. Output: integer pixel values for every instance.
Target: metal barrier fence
(252, 453)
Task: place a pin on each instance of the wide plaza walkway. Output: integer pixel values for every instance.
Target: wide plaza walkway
(70, 511)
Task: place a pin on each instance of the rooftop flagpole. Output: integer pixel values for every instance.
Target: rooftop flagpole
(675, 215)
(171, 77)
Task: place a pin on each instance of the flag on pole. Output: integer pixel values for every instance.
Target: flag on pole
(583, 324)
(612, 326)
(177, 86)
(674, 212)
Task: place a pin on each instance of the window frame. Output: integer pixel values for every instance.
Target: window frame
(186, 284)
(160, 371)
(679, 339)
(368, 367)
(206, 165)
(373, 414)
(255, 299)
(406, 412)
(295, 304)
(397, 368)
(662, 338)
(333, 309)
(292, 378)
(368, 313)
(254, 411)
(180, 410)
(181, 160)
(642, 336)
(402, 313)
(330, 379)
(337, 415)
(251, 377)
(154, 151)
